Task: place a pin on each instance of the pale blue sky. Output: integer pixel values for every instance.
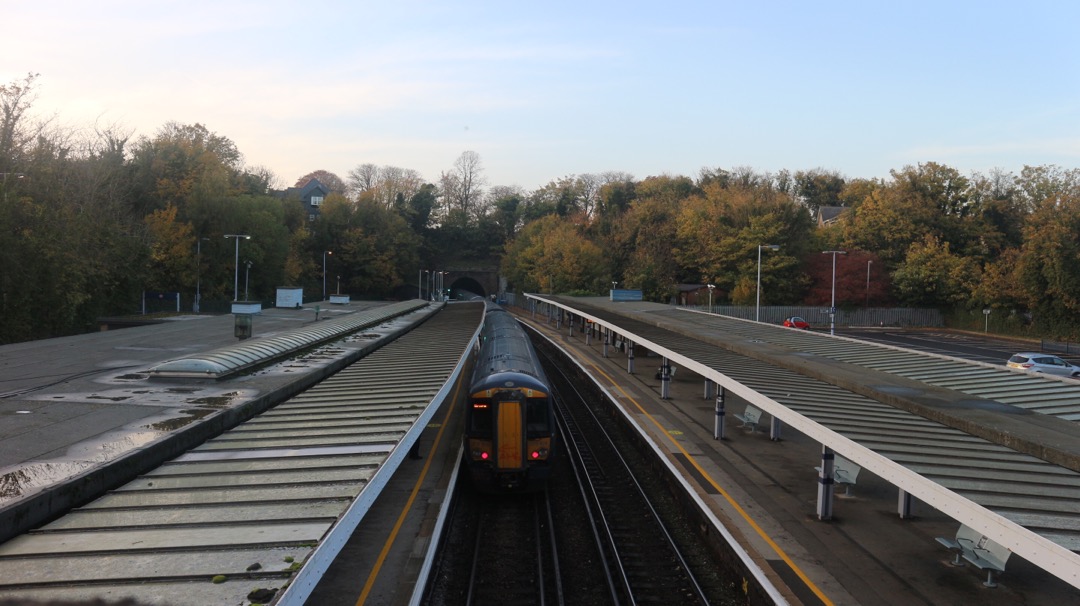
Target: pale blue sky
(545, 90)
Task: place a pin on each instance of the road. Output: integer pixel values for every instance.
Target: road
(969, 346)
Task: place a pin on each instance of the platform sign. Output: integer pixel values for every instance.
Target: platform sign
(290, 297)
(622, 294)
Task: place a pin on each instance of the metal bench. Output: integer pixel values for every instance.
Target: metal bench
(844, 472)
(749, 418)
(978, 549)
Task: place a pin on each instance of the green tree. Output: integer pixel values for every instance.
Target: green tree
(642, 244)
(171, 251)
(718, 234)
(931, 275)
(180, 163)
(1046, 266)
(819, 187)
(552, 254)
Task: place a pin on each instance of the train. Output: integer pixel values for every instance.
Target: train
(510, 436)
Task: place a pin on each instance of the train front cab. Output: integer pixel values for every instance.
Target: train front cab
(509, 438)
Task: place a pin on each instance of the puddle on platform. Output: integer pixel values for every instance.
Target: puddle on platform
(222, 401)
(184, 389)
(28, 479)
(178, 422)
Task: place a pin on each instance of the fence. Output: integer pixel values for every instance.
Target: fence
(1067, 348)
(818, 317)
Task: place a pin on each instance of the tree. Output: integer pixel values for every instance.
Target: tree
(183, 163)
(933, 276)
(463, 187)
(362, 178)
(15, 135)
(719, 231)
(1038, 184)
(172, 246)
(818, 187)
(419, 208)
(887, 222)
(385, 184)
(614, 199)
(1046, 265)
(642, 255)
(506, 213)
(552, 254)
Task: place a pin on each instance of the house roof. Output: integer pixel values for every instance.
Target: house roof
(313, 187)
(830, 214)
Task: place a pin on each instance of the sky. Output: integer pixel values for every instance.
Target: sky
(544, 90)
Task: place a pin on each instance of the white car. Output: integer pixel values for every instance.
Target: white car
(1038, 362)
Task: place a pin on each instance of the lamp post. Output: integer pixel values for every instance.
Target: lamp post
(18, 176)
(236, 264)
(832, 307)
(324, 271)
(198, 271)
(711, 288)
(868, 263)
(420, 283)
(247, 272)
(339, 285)
(757, 305)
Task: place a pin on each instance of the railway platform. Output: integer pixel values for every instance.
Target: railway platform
(80, 414)
(765, 491)
(75, 408)
(262, 492)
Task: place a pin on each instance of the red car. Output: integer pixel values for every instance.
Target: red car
(797, 322)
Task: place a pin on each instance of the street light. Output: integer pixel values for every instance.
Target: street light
(442, 284)
(198, 271)
(868, 263)
(247, 272)
(325, 252)
(420, 283)
(757, 306)
(832, 307)
(339, 285)
(711, 288)
(236, 264)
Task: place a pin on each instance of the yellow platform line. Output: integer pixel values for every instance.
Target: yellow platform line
(742, 512)
(374, 574)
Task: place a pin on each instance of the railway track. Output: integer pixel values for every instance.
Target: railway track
(642, 562)
(610, 532)
(239, 518)
(521, 526)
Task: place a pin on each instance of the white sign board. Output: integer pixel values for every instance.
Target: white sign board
(290, 296)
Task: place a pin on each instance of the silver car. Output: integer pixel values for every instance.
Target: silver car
(1038, 362)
